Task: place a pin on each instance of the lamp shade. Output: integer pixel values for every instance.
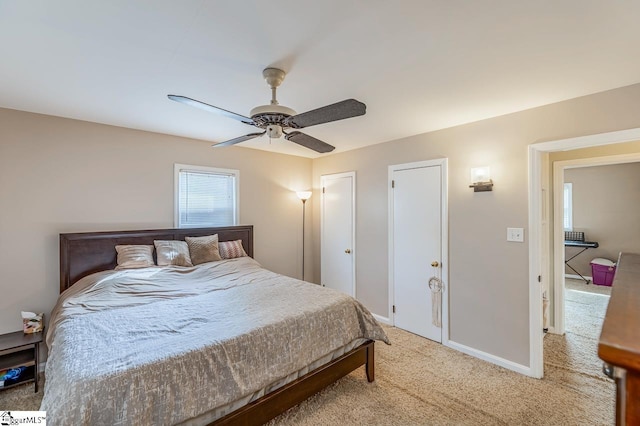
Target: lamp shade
(480, 174)
(304, 195)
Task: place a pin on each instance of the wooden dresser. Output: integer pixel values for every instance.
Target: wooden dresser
(619, 345)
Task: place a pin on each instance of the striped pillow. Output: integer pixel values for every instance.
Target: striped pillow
(231, 249)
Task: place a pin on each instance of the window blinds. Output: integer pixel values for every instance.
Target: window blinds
(206, 199)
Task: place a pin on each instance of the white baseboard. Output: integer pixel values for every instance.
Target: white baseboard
(383, 320)
(509, 365)
(577, 277)
(551, 330)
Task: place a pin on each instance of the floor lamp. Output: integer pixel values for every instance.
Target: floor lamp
(304, 196)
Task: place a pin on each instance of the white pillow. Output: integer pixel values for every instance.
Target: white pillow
(172, 252)
(134, 256)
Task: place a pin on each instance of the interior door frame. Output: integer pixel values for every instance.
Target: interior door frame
(444, 238)
(537, 238)
(354, 252)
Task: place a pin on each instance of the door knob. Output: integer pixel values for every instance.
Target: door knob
(347, 251)
(435, 264)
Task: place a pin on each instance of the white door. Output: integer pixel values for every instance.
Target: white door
(416, 238)
(338, 232)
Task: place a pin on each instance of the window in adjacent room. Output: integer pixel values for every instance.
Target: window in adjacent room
(568, 207)
(205, 196)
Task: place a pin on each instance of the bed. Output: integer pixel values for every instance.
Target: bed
(225, 342)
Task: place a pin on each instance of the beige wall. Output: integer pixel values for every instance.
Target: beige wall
(488, 282)
(60, 175)
(606, 207)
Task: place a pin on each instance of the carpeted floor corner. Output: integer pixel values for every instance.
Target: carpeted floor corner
(22, 397)
(419, 382)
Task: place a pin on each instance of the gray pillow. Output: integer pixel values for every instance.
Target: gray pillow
(203, 249)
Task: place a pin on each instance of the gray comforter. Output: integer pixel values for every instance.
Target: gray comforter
(164, 345)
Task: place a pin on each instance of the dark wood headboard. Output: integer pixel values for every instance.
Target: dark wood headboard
(84, 253)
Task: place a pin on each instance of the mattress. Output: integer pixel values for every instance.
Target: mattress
(187, 345)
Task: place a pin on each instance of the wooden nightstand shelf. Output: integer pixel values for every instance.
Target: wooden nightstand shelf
(18, 349)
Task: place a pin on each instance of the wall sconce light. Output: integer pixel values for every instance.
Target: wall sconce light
(481, 179)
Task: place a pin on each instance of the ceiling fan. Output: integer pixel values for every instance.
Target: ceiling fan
(276, 119)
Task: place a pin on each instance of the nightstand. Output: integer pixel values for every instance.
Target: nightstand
(18, 349)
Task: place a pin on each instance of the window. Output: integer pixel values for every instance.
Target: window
(568, 207)
(205, 196)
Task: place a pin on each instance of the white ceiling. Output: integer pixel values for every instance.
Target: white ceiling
(417, 65)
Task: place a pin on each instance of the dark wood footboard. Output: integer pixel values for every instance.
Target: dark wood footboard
(277, 402)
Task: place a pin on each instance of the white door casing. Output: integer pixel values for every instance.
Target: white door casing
(417, 237)
(337, 210)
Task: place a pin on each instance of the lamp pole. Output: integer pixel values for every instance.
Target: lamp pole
(304, 196)
(304, 203)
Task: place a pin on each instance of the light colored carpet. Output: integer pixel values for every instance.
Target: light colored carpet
(579, 285)
(419, 382)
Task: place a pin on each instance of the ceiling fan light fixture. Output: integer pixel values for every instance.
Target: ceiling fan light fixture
(274, 131)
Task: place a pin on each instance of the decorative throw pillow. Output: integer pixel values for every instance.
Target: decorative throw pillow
(231, 249)
(134, 256)
(203, 249)
(172, 252)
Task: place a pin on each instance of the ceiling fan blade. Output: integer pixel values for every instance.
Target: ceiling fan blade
(309, 142)
(238, 140)
(211, 108)
(334, 112)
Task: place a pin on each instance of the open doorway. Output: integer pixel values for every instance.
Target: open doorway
(601, 205)
(595, 209)
(546, 242)
(604, 206)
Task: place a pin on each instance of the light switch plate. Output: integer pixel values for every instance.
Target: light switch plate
(515, 234)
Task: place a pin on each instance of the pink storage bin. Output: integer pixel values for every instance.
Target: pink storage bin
(603, 271)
